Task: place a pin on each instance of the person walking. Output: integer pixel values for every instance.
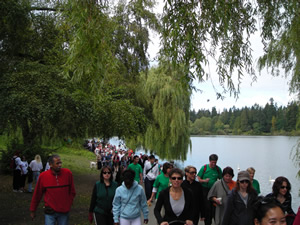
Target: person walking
(196, 188)
(239, 209)
(137, 168)
(255, 183)
(129, 201)
(177, 201)
(268, 212)
(58, 189)
(219, 192)
(207, 176)
(24, 173)
(161, 182)
(36, 167)
(151, 171)
(281, 194)
(102, 197)
(17, 172)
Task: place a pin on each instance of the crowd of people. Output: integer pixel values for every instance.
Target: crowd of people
(180, 197)
(184, 197)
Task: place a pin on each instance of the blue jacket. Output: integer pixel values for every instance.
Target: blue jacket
(128, 203)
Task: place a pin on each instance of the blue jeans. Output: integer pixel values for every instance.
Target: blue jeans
(35, 175)
(60, 218)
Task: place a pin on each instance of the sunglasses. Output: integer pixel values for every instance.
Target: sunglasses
(193, 172)
(244, 181)
(284, 187)
(176, 178)
(106, 172)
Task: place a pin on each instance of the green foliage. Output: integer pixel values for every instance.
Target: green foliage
(90, 59)
(193, 31)
(169, 97)
(255, 120)
(36, 99)
(280, 34)
(131, 35)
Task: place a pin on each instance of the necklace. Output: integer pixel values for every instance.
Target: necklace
(175, 194)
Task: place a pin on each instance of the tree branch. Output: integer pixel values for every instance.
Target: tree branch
(42, 9)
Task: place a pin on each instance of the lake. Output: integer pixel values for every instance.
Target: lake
(270, 156)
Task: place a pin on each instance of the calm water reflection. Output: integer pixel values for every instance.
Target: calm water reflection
(270, 156)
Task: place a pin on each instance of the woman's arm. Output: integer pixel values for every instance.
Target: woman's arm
(228, 210)
(158, 206)
(117, 207)
(289, 205)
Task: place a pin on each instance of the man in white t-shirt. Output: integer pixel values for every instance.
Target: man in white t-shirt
(151, 171)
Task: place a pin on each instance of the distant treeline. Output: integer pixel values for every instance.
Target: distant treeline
(255, 120)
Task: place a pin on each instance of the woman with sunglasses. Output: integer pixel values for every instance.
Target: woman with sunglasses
(239, 209)
(177, 201)
(196, 188)
(219, 192)
(102, 198)
(281, 194)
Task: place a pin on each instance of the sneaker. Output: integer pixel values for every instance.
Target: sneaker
(14, 190)
(21, 191)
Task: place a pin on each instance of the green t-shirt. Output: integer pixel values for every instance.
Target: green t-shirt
(256, 187)
(137, 169)
(161, 182)
(213, 175)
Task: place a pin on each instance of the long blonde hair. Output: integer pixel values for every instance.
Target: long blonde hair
(37, 158)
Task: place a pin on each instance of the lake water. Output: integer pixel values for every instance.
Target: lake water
(270, 156)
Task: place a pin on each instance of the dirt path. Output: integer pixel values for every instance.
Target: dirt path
(14, 207)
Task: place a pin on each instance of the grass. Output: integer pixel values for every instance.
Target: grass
(77, 160)
(14, 207)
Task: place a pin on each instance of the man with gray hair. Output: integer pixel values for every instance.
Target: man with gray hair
(58, 187)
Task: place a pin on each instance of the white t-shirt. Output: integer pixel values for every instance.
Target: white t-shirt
(24, 167)
(18, 163)
(153, 173)
(35, 166)
(47, 167)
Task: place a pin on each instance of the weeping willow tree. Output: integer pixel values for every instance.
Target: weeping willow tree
(166, 93)
(107, 51)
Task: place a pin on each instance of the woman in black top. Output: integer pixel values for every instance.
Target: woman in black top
(177, 202)
(281, 194)
(239, 209)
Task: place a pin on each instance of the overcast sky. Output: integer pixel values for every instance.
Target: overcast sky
(259, 92)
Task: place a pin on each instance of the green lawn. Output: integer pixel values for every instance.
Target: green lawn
(14, 207)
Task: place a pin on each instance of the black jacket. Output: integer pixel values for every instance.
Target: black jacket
(164, 200)
(196, 189)
(236, 212)
(286, 205)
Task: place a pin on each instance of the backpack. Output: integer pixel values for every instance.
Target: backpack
(205, 168)
(12, 163)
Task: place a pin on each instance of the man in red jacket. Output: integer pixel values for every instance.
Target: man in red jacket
(58, 187)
